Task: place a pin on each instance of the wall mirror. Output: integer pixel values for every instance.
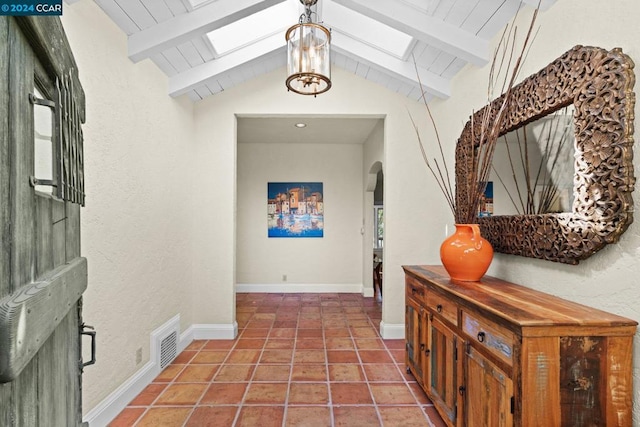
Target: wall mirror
(587, 96)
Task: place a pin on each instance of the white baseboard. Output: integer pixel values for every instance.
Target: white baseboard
(368, 292)
(208, 332)
(393, 331)
(103, 413)
(354, 288)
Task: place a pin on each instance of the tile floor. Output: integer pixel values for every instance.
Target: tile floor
(299, 360)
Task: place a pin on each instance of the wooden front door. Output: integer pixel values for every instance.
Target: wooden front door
(42, 276)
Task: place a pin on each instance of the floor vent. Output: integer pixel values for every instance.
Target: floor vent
(168, 349)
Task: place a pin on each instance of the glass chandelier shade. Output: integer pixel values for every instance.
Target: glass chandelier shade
(308, 56)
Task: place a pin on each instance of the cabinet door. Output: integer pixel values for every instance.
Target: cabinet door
(443, 369)
(415, 339)
(488, 393)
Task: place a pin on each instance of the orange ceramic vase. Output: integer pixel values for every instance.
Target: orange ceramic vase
(465, 254)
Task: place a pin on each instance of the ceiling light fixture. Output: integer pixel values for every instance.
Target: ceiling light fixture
(308, 55)
(300, 125)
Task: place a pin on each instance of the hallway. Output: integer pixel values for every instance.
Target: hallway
(299, 360)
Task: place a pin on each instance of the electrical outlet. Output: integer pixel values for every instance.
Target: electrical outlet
(138, 356)
(284, 277)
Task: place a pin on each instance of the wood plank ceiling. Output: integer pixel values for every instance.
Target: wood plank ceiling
(207, 46)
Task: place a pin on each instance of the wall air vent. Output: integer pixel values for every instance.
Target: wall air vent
(168, 349)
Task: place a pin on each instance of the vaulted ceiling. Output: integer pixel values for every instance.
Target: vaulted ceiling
(208, 46)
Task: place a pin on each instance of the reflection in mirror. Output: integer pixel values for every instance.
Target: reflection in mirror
(43, 144)
(534, 166)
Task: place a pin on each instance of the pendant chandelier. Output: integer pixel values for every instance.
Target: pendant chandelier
(308, 55)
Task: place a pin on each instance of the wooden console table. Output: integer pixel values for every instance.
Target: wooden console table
(493, 353)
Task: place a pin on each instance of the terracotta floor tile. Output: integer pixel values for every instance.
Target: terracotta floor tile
(308, 393)
(309, 324)
(197, 373)
(309, 356)
(285, 324)
(250, 343)
(350, 394)
(231, 373)
(243, 356)
(398, 356)
(345, 372)
(196, 345)
(342, 356)
(309, 372)
(148, 395)
(169, 373)
(334, 343)
(259, 324)
(277, 343)
(298, 359)
(337, 333)
(363, 332)
(127, 417)
(272, 373)
(403, 416)
(355, 416)
(212, 416)
(276, 356)
(184, 357)
(309, 333)
(369, 344)
(164, 417)
(224, 394)
(395, 344)
(419, 394)
(263, 416)
(332, 323)
(219, 345)
(266, 393)
(255, 333)
(282, 333)
(181, 394)
(308, 416)
(392, 394)
(434, 417)
(382, 372)
(310, 343)
(375, 356)
(209, 357)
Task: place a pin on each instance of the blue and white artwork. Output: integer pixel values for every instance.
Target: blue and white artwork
(295, 209)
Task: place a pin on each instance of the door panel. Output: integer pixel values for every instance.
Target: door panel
(40, 234)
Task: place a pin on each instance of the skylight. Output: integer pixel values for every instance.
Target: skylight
(255, 27)
(366, 30)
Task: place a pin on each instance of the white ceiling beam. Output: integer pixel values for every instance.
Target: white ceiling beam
(209, 71)
(183, 28)
(432, 31)
(389, 64)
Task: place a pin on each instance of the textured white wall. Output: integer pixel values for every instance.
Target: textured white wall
(334, 259)
(135, 226)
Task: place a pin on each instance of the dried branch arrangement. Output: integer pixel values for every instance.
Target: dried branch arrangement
(503, 74)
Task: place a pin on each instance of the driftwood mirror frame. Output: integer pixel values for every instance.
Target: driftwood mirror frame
(599, 83)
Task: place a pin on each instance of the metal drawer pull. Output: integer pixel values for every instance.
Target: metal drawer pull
(439, 308)
(481, 336)
(92, 334)
(461, 390)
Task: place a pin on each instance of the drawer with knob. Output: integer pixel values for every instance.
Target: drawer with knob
(415, 290)
(498, 340)
(442, 306)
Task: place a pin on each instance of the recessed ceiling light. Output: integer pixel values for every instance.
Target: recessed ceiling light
(300, 125)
